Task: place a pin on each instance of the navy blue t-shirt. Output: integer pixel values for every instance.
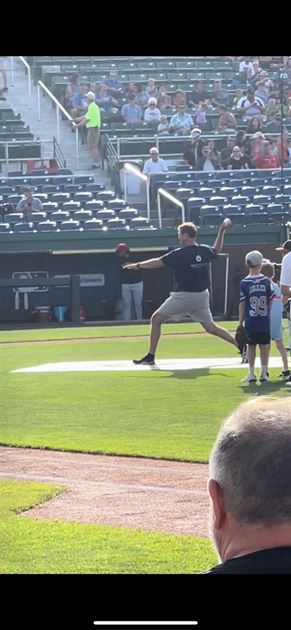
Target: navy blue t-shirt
(190, 265)
(256, 292)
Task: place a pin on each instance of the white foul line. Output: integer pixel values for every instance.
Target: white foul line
(145, 623)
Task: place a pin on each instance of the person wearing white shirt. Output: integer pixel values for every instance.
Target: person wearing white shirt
(285, 278)
(154, 164)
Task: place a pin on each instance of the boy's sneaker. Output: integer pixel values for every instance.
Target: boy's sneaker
(285, 375)
(249, 379)
(265, 379)
(149, 359)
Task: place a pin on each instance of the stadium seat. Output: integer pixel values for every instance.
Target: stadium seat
(93, 224)
(47, 226)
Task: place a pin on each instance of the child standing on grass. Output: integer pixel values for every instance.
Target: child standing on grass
(256, 295)
(268, 270)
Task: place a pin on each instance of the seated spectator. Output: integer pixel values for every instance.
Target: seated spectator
(193, 149)
(151, 89)
(163, 126)
(79, 101)
(227, 151)
(256, 146)
(241, 139)
(132, 89)
(238, 95)
(198, 95)
(142, 97)
(179, 98)
(287, 110)
(249, 106)
(154, 164)
(275, 124)
(200, 116)
(246, 70)
(164, 100)
(254, 125)
(113, 85)
(226, 120)
(152, 113)
(282, 144)
(181, 123)
(262, 92)
(29, 203)
(106, 102)
(72, 88)
(266, 159)
(214, 153)
(272, 107)
(219, 96)
(206, 162)
(131, 112)
(237, 160)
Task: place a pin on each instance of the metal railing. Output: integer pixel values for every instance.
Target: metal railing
(129, 168)
(27, 66)
(176, 202)
(59, 108)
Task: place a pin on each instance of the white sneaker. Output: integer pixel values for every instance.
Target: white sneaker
(265, 378)
(249, 379)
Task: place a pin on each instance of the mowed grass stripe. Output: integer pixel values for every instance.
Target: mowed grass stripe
(30, 546)
(167, 414)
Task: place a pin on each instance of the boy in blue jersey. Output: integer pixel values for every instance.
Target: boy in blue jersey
(256, 296)
(190, 265)
(268, 270)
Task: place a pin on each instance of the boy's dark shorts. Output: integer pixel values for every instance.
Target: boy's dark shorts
(259, 338)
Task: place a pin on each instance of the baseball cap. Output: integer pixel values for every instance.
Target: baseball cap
(195, 133)
(286, 245)
(90, 95)
(254, 258)
(121, 248)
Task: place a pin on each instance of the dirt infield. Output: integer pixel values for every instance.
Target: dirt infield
(153, 495)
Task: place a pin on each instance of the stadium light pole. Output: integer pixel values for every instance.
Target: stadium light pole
(283, 76)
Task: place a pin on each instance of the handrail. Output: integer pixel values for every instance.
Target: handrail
(177, 202)
(28, 75)
(59, 107)
(132, 169)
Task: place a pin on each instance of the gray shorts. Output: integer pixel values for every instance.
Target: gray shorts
(194, 304)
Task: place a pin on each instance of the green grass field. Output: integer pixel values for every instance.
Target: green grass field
(166, 414)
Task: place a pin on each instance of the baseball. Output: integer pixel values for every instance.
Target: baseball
(227, 222)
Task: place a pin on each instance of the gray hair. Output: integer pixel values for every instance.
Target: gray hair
(251, 461)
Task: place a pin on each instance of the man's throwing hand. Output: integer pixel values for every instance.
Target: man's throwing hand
(226, 224)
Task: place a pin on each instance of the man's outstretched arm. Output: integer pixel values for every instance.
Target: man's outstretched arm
(151, 263)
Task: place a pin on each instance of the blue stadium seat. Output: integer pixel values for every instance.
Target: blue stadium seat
(47, 226)
(93, 224)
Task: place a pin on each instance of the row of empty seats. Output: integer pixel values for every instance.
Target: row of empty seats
(115, 223)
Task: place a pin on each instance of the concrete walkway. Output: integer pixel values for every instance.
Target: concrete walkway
(45, 129)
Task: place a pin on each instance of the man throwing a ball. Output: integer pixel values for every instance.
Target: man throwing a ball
(190, 265)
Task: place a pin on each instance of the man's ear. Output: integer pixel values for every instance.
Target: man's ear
(217, 500)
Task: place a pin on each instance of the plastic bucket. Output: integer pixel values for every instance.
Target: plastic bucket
(42, 313)
(59, 313)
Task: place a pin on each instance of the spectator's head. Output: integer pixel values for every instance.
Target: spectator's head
(90, 96)
(250, 478)
(236, 152)
(122, 249)
(285, 248)
(152, 102)
(254, 259)
(195, 134)
(28, 191)
(217, 84)
(113, 75)
(268, 269)
(230, 142)
(154, 153)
